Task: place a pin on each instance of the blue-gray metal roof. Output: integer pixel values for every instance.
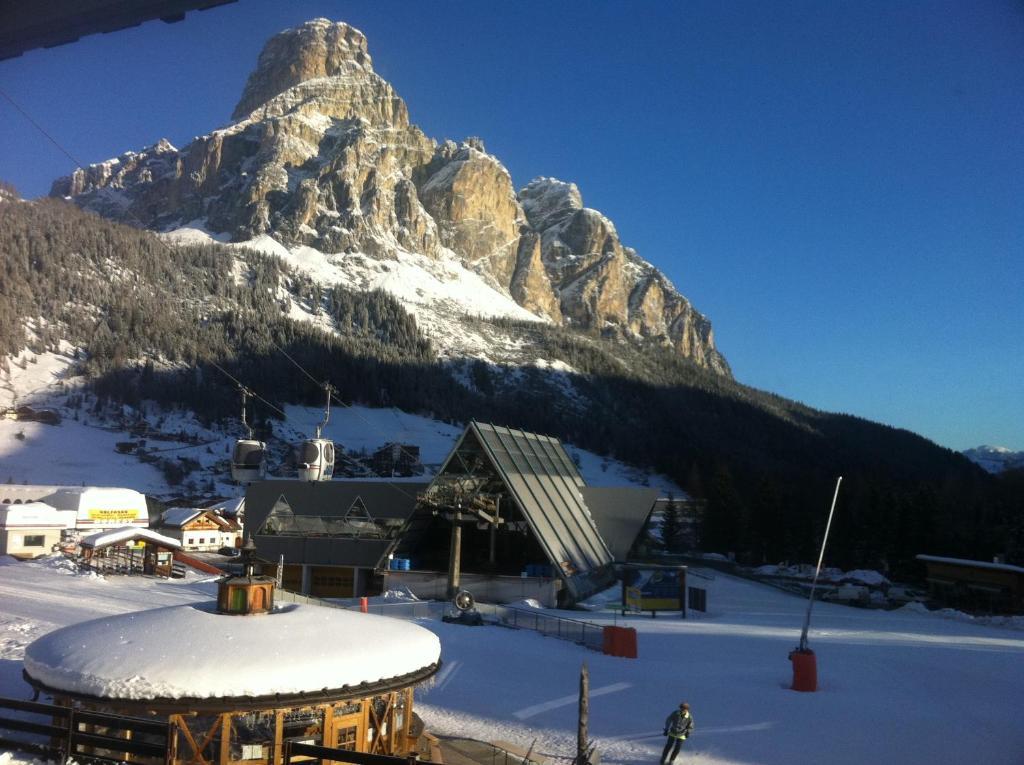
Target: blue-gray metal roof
(547, 488)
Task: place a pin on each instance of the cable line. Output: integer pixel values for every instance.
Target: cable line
(342, 403)
(128, 213)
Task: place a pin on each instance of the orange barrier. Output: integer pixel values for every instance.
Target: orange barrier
(805, 670)
(364, 605)
(620, 641)
(198, 565)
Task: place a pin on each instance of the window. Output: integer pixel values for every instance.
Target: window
(347, 737)
(34, 540)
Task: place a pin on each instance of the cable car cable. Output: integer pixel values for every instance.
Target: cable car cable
(128, 213)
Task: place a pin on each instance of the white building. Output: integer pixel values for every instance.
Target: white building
(31, 529)
(87, 508)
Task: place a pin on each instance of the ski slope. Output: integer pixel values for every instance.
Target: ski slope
(898, 687)
(82, 449)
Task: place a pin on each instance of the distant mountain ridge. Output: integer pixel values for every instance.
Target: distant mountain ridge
(995, 459)
(322, 154)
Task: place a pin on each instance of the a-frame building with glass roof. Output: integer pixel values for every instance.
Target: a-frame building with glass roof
(513, 503)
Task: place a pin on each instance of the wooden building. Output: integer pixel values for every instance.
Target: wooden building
(129, 550)
(198, 529)
(975, 586)
(232, 683)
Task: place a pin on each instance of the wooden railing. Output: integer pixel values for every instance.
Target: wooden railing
(65, 733)
(327, 754)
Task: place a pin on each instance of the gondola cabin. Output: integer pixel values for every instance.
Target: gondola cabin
(248, 461)
(315, 460)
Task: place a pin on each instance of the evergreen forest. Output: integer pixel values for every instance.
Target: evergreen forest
(170, 323)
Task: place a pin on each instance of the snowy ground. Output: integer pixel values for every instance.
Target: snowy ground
(895, 687)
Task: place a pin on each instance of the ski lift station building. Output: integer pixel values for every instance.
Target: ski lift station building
(33, 518)
(528, 525)
(333, 535)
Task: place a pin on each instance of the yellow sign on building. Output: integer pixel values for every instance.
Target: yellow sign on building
(125, 514)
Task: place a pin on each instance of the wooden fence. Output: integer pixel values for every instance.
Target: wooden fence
(61, 733)
(297, 750)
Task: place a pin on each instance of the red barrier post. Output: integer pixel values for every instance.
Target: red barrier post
(364, 605)
(805, 670)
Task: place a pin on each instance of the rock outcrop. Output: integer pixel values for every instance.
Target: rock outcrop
(603, 285)
(470, 195)
(322, 153)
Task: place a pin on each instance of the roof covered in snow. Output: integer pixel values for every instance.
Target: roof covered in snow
(125, 534)
(168, 654)
(971, 563)
(95, 505)
(179, 516)
(34, 514)
(231, 507)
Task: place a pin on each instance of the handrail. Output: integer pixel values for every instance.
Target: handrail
(583, 633)
(331, 754)
(66, 737)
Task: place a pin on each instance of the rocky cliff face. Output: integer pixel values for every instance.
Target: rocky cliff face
(322, 154)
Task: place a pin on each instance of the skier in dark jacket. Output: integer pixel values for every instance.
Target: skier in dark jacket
(678, 727)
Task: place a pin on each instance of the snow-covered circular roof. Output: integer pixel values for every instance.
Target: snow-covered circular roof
(193, 652)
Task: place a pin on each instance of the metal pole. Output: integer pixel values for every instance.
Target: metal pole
(492, 554)
(455, 554)
(821, 556)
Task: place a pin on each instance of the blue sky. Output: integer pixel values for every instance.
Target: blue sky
(839, 186)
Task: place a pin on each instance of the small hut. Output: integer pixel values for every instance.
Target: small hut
(237, 679)
(129, 550)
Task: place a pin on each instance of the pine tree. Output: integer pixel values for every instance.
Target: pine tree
(726, 522)
(671, 526)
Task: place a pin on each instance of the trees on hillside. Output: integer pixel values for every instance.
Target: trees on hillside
(150, 315)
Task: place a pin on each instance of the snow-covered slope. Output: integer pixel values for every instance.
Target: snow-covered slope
(82, 449)
(896, 688)
(995, 459)
(438, 293)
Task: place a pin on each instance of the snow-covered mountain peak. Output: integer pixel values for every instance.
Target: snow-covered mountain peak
(323, 155)
(995, 459)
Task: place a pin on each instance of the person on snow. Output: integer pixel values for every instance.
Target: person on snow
(678, 727)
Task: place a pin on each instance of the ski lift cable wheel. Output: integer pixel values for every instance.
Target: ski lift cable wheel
(463, 600)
